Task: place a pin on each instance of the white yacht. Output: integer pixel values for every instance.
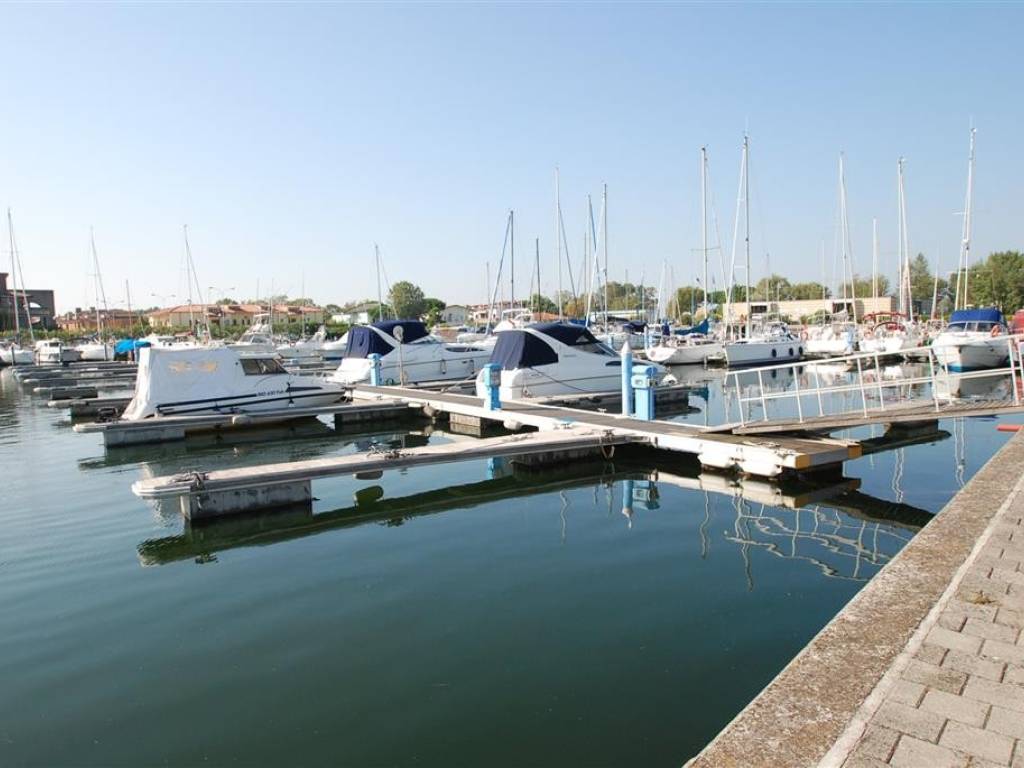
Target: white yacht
(692, 346)
(774, 343)
(974, 339)
(258, 338)
(11, 354)
(409, 355)
(95, 351)
(334, 349)
(557, 359)
(305, 348)
(888, 333)
(200, 380)
(54, 351)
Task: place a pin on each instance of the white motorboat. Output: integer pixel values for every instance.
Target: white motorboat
(974, 339)
(557, 359)
(53, 351)
(305, 348)
(409, 355)
(95, 351)
(221, 380)
(691, 346)
(334, 349)
(11, 354)
(775, 343)
(258, 338)
(831, 340)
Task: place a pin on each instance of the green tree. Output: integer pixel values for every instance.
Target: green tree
(687, 299)
(407, 299)
(998, 282)
(861, 287)
(540, 303)
(922, 279)
(810, 290)
(772, 287)
(434, 307)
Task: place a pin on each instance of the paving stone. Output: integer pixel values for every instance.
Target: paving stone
(1006, 722)
(996, 649)
(954, 640)
(1010, 617)
(1001, 694)
(952, 620)
(974, 665)
(931, 654)
(959, 708)
(900, 717)
(857, 759)
(932, 676)
(1010, 576)
(1014, 675)
(914, 753)
(979, 610)
(878, 742)
(975, 741)
(906, 692)
(990, 630)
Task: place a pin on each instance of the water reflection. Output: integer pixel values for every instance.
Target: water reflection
(821, 520)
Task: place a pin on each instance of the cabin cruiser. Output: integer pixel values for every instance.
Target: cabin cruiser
(774, 343)
(11, 354)
(557, 359)
(54, 351)
(304, 348)
(689, 346)
(203, 380)
(974, 339)
(258, 338)
(334, 349)
(408, 355)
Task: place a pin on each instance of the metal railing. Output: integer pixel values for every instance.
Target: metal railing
(865, 377)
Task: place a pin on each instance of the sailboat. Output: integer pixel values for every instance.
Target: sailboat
(772, 342)
(695, 345)
(94, 351)
(974, 338)
(11, 353)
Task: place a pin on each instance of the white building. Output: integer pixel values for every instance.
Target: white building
(456, 314)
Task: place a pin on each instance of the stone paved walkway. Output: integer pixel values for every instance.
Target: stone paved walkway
(955, 696)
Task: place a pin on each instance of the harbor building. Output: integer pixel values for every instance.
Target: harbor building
(795, 309)
(232, 316)
(84, 320)
(41, 307)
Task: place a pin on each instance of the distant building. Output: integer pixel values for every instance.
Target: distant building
(357, 314)
(794, 309)
(232, 316)
(84, 320)
(456, 314)
(41, 311)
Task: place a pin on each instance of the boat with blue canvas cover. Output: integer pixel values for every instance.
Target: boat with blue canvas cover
(974, 339)
(409, 354)
(555, 359)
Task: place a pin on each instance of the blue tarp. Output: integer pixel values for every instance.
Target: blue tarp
(411, 329)
(124, 346)
(519, 349)
(988, 315)
(572, 335)
(702, 329)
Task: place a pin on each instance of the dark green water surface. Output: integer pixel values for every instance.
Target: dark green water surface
(590, 613)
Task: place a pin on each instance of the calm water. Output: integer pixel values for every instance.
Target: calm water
(607, 613)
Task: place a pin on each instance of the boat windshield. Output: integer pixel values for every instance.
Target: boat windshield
(973, 326)
(261, 366)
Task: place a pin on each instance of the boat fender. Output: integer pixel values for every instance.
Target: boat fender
(512, 426)
(444, 366)
(240, 420)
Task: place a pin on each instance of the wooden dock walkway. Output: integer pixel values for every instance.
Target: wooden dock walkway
(235, 490)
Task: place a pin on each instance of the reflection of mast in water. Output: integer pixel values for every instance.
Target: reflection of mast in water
(627, 501)
(561, 513)
(960, 450)
(897, 474)
(705, 542)
(769, 529)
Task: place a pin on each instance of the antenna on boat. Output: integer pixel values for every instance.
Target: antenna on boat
(963, 266)
(380, 295)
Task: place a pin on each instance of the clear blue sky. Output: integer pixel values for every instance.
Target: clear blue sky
(290, 138)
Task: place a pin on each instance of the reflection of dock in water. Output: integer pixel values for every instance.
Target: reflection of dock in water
(201, 540)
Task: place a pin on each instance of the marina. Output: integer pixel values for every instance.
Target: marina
(451, 384)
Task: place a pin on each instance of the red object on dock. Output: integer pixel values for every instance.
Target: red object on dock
(1009, 427)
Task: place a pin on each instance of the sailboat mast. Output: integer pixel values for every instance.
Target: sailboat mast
(96, 282)
(907, 299)
(512, 258)
(536, 246)
(746, 222)
(899, 234)
(704, 221)
(199, 292)
(847, 256)
(14, 280)
(128, 295)
(558, 242)
(874, 258)
(380, 292)
(604, 246)
(965, 242)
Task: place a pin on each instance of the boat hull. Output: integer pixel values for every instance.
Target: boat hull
(755, 352)
(685, 354)
(959, 352)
